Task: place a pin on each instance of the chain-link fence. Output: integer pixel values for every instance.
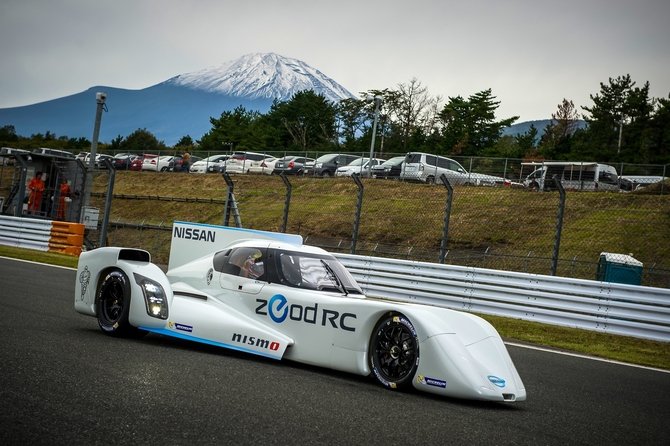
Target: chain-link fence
(488, 215)
(499, 225)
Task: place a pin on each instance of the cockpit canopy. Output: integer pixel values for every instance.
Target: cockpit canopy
(311, 271)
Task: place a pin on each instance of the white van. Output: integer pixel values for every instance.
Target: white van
(54, 152)
(573, 176)
(429, 168)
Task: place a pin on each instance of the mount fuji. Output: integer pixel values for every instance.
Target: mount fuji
(178, 106)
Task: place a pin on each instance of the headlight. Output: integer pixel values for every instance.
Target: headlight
(318, 165)
(154, 297)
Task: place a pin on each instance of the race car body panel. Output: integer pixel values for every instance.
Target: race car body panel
(267, 294)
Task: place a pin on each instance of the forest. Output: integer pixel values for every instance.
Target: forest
(624, 125)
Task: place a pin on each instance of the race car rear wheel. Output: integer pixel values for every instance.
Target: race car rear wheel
(394, 352)
(113, 304)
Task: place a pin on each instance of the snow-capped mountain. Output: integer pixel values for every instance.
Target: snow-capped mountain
(179, 106)
(265, 76)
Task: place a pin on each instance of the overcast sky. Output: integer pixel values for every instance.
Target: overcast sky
(531, 53)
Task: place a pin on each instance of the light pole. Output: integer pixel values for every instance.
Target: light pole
(100, 98)
(378, 102)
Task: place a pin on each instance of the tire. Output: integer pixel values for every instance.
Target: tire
(164, 169)
(430, 180)
(394, 352)
(113, 305)
(325, 174)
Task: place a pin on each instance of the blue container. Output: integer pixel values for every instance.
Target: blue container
(619, 268)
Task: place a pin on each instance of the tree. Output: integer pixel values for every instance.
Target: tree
(235, 129)
(469, 126)
(185, 141)
(306, 121)
(556, 140)
(8, 134)
(617, 122)
(142, 141)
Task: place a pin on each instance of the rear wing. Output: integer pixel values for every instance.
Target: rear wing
(191, 241)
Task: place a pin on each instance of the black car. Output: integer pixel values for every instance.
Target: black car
(123, 160)
(388, 169)
(291, 165)
(325, 166)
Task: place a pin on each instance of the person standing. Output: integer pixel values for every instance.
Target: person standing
(185, 161)
(64, 198)
(36, 187)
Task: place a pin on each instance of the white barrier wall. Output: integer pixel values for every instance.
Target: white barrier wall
(42, 235)
(630, 310)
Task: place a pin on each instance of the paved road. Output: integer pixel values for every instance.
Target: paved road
(63, 382)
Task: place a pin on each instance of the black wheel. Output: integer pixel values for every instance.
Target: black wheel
(534, 185)
(164, 169)
(394, 352)
(113, 305)
(430, 180)
(325, 174)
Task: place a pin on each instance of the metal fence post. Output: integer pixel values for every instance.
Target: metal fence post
(229, 195)
(108, 202)
(287, 203)
(447, 215)
(559, 224)
(357, 219)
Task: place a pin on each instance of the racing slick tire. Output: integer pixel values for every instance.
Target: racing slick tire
(113, 305)
(394, 352)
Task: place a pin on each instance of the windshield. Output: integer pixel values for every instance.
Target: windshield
(326, 158)
(314, 272)
(358, 162)
(393, 161)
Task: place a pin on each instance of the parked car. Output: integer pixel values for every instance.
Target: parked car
(82, 156)
(138, 162)
(326, 165)
(429, 168)
(240, 162)
(176, 163)
(150, 162)
(164, 163)
(100, 157)
(122, 161)
(291, 165)
(265, 166)
(360, 166)
(389, 168)
(208, 164)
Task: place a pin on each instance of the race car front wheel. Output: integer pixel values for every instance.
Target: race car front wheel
(394, 352)
(113, 304)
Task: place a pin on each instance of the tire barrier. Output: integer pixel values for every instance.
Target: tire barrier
(42, 235)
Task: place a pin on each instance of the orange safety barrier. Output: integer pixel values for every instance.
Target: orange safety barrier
(66, 238)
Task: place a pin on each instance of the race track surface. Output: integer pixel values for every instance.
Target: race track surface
(62, 381)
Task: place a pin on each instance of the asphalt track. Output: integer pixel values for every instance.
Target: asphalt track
(62, 381)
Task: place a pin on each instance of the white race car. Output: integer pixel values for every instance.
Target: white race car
(268, 294)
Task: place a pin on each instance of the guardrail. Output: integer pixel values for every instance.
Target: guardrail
(629, 310)
(42, 235)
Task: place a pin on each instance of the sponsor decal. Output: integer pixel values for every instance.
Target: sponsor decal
(210, 274)
(255, 341)
(278, 309)
(180, 327)
(194, 234)
(431, 381)
(384, 382)
(84, 279)
(499, 382)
